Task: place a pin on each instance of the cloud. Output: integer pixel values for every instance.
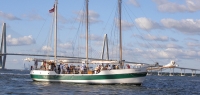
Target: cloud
(125, 25)
(189, 6)
(147, 24)
(188, 26)
(62, 19)
(65, 45)
(193, 5)
(169, 53)
(153, 38)
(93, 16)
(134, 2)
(26, 40)
(161, 46)
(191, 39)
(174, 40)
(171, 45)
(193, 44)
(8, 16)
(93, 37)
(33, 16)
(47, 49)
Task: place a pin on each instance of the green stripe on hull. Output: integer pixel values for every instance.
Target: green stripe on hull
(88, 77)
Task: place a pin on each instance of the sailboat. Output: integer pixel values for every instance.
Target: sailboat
(120, 75)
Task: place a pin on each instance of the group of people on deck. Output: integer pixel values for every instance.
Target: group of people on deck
(48, 66)
(72, 69)
(68, 69)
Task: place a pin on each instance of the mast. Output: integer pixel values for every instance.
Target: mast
(55, 30)
(87, 21)
(120, 33)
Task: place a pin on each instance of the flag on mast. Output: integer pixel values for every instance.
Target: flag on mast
(52, 10)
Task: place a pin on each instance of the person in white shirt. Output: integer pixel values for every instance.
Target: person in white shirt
(49, 67)
(96, 69)
(61, 68)
(82, 68)
(109, 67)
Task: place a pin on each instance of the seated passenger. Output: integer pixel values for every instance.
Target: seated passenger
(96, 70)
(44, 64)
(117, 66)
(82, 69)
(128, 66)
(67, 69)
(113, 66)
(49, 67)
(77, 69)
(109, 67)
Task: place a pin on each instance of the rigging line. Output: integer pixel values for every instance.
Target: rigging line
(111, 36)
(132, 54)
(80, 41)
(50, 38)
(40, 32)
(45, 39)
(140, 33)
(74, 41)
(41, 29)
(147, 32)
(90, 39)
(49, 42)
(96, 54)
(108, 20)
(116, 35)
(116, 4)
(125, 16)
(75, 38)
(144, 41)
(156, 40)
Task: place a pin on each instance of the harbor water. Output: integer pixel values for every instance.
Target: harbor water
(17, 82)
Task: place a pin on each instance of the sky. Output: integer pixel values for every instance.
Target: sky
(153, 30)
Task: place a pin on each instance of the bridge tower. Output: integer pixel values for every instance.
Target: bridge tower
(105, 43)
(3, 46)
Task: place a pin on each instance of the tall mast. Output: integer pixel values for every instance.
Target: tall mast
(55, 30)
(120, 33)
(87, 21)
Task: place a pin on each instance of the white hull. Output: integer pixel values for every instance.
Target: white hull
(106, 81)
(120, 76)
